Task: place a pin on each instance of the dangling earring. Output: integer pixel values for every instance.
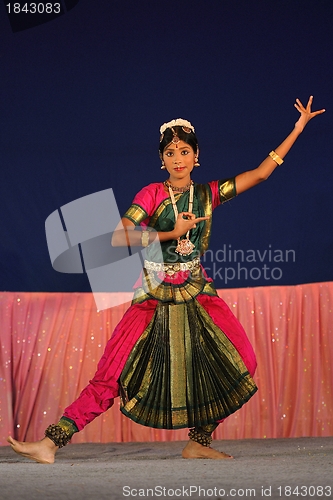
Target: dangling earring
(163, 166)
(196, 159)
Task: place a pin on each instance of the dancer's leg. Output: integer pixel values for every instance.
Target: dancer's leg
(99, 394)
(95, 399)
(43, 451)
(199, 444)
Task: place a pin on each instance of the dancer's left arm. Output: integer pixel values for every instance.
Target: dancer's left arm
(248, 179)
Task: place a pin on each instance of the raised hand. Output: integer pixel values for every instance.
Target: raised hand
(183, 225)
(306, 113)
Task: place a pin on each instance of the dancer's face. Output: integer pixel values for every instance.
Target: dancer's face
(179, 160)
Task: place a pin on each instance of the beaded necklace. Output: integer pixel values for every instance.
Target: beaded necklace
(185, 246)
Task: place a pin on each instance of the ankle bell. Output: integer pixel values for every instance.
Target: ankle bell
(201, 437)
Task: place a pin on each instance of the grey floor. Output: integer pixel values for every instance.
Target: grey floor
(262, 468)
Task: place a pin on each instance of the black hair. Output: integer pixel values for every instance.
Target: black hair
(188, 137)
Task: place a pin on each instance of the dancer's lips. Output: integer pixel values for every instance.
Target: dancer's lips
(179, 169)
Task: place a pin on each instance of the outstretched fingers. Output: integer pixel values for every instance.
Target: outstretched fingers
(299, 106)
(191, 217)
(319, 112)
(205, 217)
(305, 113)
(309, 104)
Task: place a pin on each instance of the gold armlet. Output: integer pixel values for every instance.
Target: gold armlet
(275, 157)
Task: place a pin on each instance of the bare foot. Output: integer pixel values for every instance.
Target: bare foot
(42, 451)
(196, 450)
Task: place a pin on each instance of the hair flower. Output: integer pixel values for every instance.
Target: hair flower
(179, 122)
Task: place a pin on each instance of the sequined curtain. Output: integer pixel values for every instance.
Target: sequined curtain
(50, 344)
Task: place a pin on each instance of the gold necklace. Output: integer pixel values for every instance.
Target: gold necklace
(184, 246)
(178, 189)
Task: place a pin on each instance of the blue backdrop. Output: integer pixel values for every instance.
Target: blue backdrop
(83, 96)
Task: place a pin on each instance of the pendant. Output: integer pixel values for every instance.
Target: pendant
(185, 247)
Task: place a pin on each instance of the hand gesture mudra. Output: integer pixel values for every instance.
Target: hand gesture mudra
(306, 113)
(185, 224)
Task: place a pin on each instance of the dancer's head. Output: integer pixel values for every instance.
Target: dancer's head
(178, 148)
(178, 130)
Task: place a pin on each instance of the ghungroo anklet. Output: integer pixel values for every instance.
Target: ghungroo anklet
(59, 436)
(200, 436)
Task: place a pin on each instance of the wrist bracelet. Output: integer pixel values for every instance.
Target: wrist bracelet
(275, 157)
(145, 238)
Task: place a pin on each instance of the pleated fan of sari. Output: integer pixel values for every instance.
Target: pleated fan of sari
(183, 371)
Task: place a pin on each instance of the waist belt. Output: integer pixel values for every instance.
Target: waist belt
(171, 269)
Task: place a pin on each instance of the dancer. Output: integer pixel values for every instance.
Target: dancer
(178, 358)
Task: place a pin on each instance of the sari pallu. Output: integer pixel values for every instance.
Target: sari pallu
(179, 357)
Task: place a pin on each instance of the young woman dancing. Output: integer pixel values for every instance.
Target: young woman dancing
(178, 358)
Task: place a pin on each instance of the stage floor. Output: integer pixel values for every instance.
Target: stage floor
(261, 468)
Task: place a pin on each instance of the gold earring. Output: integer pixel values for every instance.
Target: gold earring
(196, 164)
(163, 166)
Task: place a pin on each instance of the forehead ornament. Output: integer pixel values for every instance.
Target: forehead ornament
(179, 122)
(175, 139)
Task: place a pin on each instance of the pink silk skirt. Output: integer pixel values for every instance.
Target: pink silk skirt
(99, 394)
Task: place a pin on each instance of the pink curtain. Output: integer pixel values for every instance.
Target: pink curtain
(50, 344)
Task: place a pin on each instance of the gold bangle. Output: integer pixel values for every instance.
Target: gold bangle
(275, 157)
(145, 238)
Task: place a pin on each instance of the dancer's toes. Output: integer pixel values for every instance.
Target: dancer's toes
(42, 451)
(196, 450)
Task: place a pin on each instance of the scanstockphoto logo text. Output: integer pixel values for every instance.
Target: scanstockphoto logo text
(234, 264)
(230, 264)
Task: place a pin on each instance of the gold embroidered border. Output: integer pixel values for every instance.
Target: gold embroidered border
(227, 190)
(136, 214)
(178, 341)
(166, 293)
(169, 292)
(205, 199)
(68, 426)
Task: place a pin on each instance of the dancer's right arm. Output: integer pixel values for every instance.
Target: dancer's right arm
(124, 234)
